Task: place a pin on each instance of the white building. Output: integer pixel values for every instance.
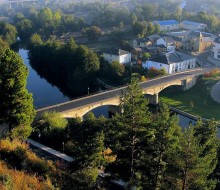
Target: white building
(189, 25)
(168, 25)
(172, 62)
(119, 55)
(216, 48)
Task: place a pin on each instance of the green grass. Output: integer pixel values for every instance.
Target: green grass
(196, 100)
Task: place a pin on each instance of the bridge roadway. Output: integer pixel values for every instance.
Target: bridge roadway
(87, 100)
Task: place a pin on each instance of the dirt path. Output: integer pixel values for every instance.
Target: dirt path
(215, 92)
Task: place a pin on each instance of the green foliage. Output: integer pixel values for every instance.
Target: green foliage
(35, 39)
(77, 64)
(25, 28)
(4, 45)
(54, 120)
(21, 132)
(85, 179)
(17, 104)
(132, 127)
(8, 32)
(140, 29)
(150, 28)
(93, 33)
(146, 56)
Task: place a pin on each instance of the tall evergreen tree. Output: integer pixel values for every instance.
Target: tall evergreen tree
(188, 167)
(16, 107)
(166, 137)
(132, 128)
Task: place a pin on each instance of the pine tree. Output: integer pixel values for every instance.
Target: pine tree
(132, 129)
(187, 164)
(206, 133)
(16, 107)
(166, 137)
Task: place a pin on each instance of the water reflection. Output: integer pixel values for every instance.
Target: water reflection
(44, 93)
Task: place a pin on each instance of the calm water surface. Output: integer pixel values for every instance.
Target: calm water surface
(44, 93)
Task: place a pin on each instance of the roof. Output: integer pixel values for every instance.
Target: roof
(143, 40)
(217, 40)
(166, 22)
(118, 52)
(191, 23)
(171, 57)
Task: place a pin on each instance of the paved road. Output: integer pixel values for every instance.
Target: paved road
(118, 91)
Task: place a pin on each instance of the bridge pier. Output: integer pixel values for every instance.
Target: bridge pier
(154, 99)
(189, 83)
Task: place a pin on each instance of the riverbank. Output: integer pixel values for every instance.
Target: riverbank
(196, 101)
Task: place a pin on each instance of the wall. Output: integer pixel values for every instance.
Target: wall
(125, 58)
(216, 51)
(110, 57)
(149, 64)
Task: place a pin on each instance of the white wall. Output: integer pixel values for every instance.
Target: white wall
(216, 51)
(172, 68)
(149, 64)
(161, 41)
(125, 58)
(110, 57)
(122, 59)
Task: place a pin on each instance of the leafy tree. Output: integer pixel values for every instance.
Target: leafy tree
(140, 29)
(16, 103)
(36, 40)
(8, 32)
(146, 56)
(25, 28)
(93, 33)
(45, 16)
(150, 28)
(4, 45)
(54, 120)
(156, 28)
(116, 71)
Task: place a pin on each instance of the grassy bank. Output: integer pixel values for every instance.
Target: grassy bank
(196, 101)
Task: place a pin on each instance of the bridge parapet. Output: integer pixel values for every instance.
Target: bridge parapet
(79, 107)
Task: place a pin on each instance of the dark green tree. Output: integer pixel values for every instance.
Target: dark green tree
(132, 128)
(188, 167)
(166, 137)
(93, 33)
(16, 107)
(150, 28)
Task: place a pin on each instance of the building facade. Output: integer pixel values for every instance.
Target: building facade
(168, 25)
(216, 48)
(189, 25)
(172, 62)
(119, 55)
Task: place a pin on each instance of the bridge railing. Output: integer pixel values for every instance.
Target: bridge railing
(120, 88)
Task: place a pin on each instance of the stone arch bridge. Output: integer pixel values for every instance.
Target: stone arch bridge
(79, 107)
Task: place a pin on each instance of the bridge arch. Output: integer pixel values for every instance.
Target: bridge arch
(81, 111)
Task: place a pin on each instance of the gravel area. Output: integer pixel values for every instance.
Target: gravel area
(215, 92)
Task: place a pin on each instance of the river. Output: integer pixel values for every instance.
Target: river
(45, 94)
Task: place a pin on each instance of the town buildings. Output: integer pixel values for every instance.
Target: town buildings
(167, 25)
(216, 48)
(119, 55)
(172, 62)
